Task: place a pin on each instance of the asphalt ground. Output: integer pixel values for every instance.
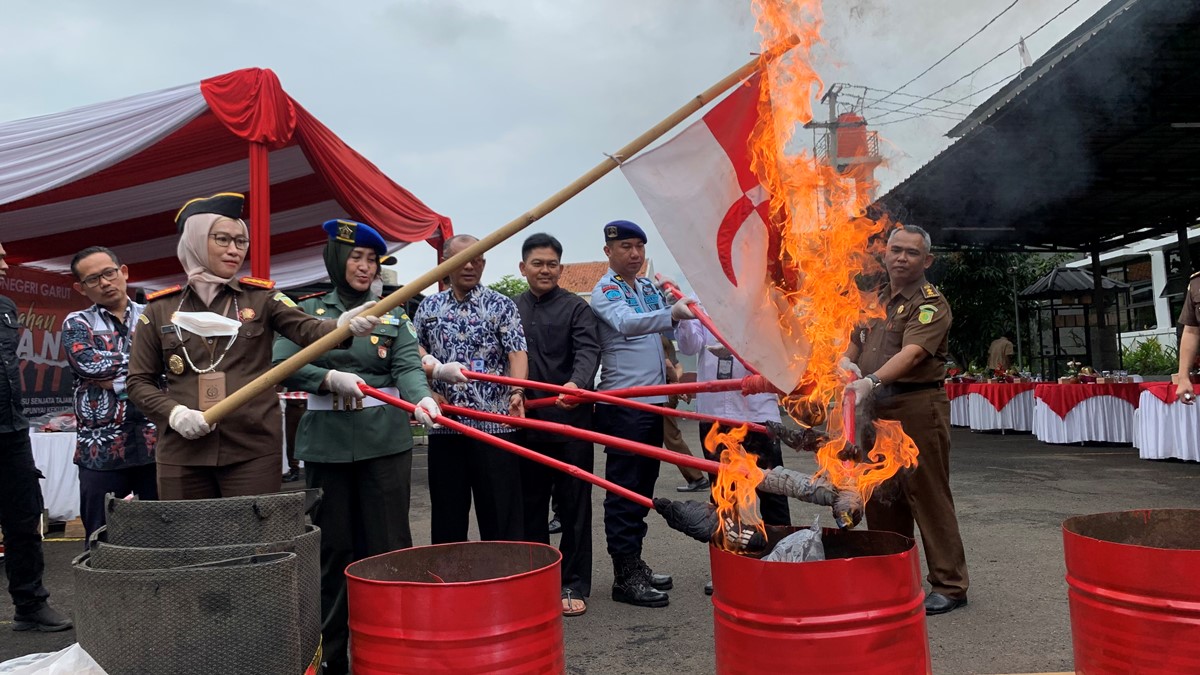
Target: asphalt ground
(1012, 491)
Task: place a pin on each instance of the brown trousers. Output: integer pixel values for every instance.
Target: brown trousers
(925, 492)
(258, 476)
(673, 441)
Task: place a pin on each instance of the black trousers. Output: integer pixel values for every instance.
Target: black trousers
(363, 512)
(461, 467)
(768, 455)
(624, 521)
(93, 485)
(20, 514)
(574, 508)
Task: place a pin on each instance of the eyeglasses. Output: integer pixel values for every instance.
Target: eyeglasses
(94, 280)
(224, 240)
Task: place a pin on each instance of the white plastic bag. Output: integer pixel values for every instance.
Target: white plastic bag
(803, 545)
(71, 661)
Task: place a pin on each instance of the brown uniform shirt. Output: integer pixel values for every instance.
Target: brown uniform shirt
(1189, 316)
(254, 429)
(916, 315)
(1000, 354)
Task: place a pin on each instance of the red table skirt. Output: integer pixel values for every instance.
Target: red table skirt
(956, 389)
(999, 394)
(1062, 397)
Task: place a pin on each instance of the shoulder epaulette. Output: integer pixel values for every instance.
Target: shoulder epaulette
(164, 292)
(929, 291)
(313, 295)
(257, 283)
(1194, 275)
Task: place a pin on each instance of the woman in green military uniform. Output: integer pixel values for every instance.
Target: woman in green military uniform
(358, 452)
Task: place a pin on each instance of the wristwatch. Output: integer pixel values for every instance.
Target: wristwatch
(874, 380)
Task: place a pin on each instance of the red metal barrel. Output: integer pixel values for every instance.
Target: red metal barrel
(859, 611)
(474, 607)
(1135, 605)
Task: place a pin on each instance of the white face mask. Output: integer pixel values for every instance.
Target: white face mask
(206, 324)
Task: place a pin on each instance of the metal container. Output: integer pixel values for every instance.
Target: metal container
(859, 611)
(1134, 605)
(473, 607)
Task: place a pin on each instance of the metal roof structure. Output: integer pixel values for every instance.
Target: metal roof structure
(1067, 281)
(1091, 148)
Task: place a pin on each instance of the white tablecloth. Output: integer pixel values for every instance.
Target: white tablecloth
(960, 415)
(1099, 418)
(1165, 430)
(1017, 414)
(53, 455)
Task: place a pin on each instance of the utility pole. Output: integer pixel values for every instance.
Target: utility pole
(864, 145)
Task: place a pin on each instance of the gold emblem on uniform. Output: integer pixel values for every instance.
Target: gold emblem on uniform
(927, 312)
(345, 232)
(175, 364)
(382, 352)
(374, 339)
(247, 314)
(929, 291)
(320, 311)
(899, 310)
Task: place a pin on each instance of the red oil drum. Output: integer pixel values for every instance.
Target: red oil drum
(1135, 607)
(473, 607)
(862, 610)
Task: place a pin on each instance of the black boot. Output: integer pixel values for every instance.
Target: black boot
(662, 582)
(632, 585)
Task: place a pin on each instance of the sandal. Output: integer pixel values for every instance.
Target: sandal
(569, 599)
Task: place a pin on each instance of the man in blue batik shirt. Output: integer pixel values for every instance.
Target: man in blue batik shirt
(115, 442)
(631, 314)
(471, 326)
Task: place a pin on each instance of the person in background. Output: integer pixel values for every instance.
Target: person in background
(672, 436)
(1000, 354)
(209, 339)
(564, 349)
(20, 493)
(114, 446)
(357, 451)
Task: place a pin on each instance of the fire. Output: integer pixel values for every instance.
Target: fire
(824, 242)
(733, 493)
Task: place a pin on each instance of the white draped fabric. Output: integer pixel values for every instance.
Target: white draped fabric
(54, 456)
(1017, 415)
(1166, 430)
(1099, 418)
(960, 415)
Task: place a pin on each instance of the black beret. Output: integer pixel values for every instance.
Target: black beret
(228, 204)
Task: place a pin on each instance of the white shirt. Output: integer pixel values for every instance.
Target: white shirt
(693, 338)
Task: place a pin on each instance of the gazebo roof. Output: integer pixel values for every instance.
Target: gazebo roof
(1067, 282)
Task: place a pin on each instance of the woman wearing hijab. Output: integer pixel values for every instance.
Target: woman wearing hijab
(210, 338)
(359, 455)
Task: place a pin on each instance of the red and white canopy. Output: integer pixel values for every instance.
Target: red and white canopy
(114, 174)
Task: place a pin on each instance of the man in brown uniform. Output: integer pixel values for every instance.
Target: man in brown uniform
(240, 455)
(1189, 341)
(904, 356)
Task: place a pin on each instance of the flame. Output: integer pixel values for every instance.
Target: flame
(734, 492)
(825, 242)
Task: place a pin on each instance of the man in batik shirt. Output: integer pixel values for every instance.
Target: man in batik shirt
(471, 326)
(115, 442)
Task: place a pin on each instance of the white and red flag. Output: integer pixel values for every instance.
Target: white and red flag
(712, 212)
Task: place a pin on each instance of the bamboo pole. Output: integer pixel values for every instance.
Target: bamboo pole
(405, 293)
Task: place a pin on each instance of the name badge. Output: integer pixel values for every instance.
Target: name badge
(211, 389)
(477, 365)
(725, 368)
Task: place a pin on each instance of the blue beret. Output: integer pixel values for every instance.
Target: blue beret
(623, 229)
(358, 234)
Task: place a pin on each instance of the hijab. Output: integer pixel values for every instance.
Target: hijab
(192, 252)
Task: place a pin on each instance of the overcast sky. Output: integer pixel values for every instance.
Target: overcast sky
(483, 108)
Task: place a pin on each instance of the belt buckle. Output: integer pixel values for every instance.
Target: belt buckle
(334, 402)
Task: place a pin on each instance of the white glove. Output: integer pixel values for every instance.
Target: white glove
(360, 326)
(681, 311)
(426, 412)
(449, 372)
(189, 423)
(848, 368)
(344, 384)
(862, 388)
(662, 281)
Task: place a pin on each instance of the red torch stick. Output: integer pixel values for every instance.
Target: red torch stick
(611, 400)
(706, 321)
(517, 450)
(651, 390)
(583, 434)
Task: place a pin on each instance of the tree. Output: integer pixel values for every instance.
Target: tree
(510, 285)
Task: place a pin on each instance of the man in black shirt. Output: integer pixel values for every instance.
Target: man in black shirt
(20, 493)
(564, 349)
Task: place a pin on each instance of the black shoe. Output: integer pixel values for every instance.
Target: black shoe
(936, 603)
(662, 582)
(47, 620)
(291, 476)
(555, 525)
(632, 586)
(708, 587)
(699, 485)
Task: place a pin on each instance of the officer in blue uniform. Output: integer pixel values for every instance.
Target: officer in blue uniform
(632, 313)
